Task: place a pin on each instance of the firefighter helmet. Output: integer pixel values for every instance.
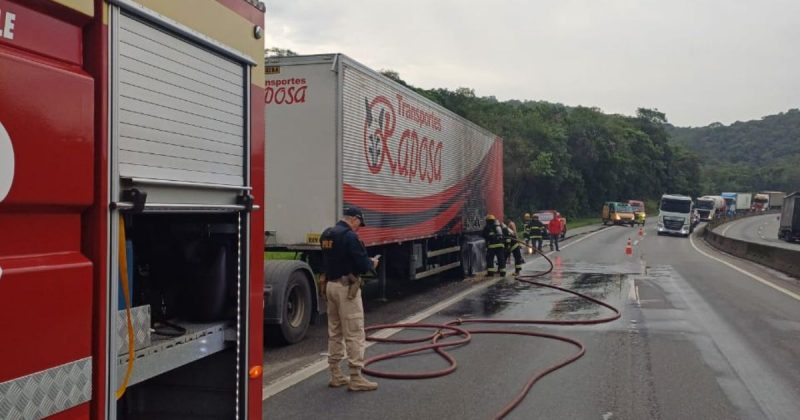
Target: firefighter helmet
(489, 217)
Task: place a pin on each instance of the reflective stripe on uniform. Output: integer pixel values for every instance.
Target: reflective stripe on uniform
(493, 246)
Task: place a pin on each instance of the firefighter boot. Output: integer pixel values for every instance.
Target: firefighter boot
(337, 377)
(360, 383)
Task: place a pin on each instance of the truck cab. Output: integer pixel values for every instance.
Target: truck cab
(640, 216)
(618, 213)
(730, 203)
(675, 216)
(760, 202)
(705, 208)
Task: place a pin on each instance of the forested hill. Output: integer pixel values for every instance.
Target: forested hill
(575, 158)
(747, 156)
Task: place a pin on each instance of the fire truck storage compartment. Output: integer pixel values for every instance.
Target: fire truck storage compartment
(185, 265)
(185, 268)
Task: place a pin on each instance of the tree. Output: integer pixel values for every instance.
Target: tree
(279, 52)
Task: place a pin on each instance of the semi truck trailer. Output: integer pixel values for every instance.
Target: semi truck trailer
(775, 200)
(789, 229)
(131, 209)
(340, 134)
(743, 202)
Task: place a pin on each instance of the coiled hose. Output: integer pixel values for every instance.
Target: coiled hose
(453, 328)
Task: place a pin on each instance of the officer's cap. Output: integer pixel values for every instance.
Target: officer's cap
(355, 212)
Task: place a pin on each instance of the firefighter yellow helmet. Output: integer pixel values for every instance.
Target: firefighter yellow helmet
(490, 217)
(527, 216)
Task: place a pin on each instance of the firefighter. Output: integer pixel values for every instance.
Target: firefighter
(344, 259)
(495, 246)
(537, 233)
(526, 229)
(512, 246)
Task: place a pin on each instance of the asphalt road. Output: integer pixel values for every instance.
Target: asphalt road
(697, 339)
(757, 229)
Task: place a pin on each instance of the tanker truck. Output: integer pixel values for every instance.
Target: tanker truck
(340, 134)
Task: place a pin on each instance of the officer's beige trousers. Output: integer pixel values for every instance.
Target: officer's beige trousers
(345, 326)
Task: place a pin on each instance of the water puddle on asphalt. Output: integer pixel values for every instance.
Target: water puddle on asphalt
(512, 299)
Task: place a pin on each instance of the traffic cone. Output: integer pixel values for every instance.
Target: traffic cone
(641, 231)
(629, 248)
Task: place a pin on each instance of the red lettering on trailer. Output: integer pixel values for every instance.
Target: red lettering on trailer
(286, 91)
(415, 158)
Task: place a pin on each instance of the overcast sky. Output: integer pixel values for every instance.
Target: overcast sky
(698, 61)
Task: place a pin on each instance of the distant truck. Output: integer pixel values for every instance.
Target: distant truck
(743, 202)
(760, 202)
(737, 202)
(706, 207)
(675, 215)
(618, 213)
(639, 212)
(730, 203)
(775, 199)
(340, 134)
(789, 229)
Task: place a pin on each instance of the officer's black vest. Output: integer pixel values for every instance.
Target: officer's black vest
(336, 260)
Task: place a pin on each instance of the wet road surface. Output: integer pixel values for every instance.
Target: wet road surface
(696, 339)
(757, 229)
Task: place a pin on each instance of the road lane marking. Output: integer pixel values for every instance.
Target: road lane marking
(724, 231)
(747, 273)
(322, 364)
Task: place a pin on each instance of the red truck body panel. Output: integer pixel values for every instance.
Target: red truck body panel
(54, 194)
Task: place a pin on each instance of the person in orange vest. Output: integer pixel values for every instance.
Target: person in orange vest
(554, 228)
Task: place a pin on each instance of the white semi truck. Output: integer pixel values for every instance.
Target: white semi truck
(675, 215)
(709, 207)
(340, 134)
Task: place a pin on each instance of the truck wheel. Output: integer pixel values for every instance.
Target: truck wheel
(296, 308)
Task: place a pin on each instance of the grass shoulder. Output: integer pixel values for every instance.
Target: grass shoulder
(582, 221)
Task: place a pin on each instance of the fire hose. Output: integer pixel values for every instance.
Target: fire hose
(454, 329)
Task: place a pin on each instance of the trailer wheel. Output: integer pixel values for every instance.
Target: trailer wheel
(296, 308)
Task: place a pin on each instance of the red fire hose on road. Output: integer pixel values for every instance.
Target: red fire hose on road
(453, 328)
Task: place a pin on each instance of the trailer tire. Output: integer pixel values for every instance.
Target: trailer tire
(297, 308)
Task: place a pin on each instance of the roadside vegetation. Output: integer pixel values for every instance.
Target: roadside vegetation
(574, 159)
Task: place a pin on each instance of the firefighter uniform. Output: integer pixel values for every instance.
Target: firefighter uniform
(512, 248)
(537, 232)
(526, 229)
(495, 246)
(344, 258)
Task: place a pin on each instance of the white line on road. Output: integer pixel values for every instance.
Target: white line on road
(322, 364)
(724, 231)
(747, 273)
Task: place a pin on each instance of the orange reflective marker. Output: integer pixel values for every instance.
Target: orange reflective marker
(629, 248)
(256, 372)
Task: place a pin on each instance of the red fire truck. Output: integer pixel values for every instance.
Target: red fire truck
(131, 208)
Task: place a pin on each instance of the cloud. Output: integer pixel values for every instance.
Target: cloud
(698, 61)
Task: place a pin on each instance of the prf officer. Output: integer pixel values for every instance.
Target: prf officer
(344, 259)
